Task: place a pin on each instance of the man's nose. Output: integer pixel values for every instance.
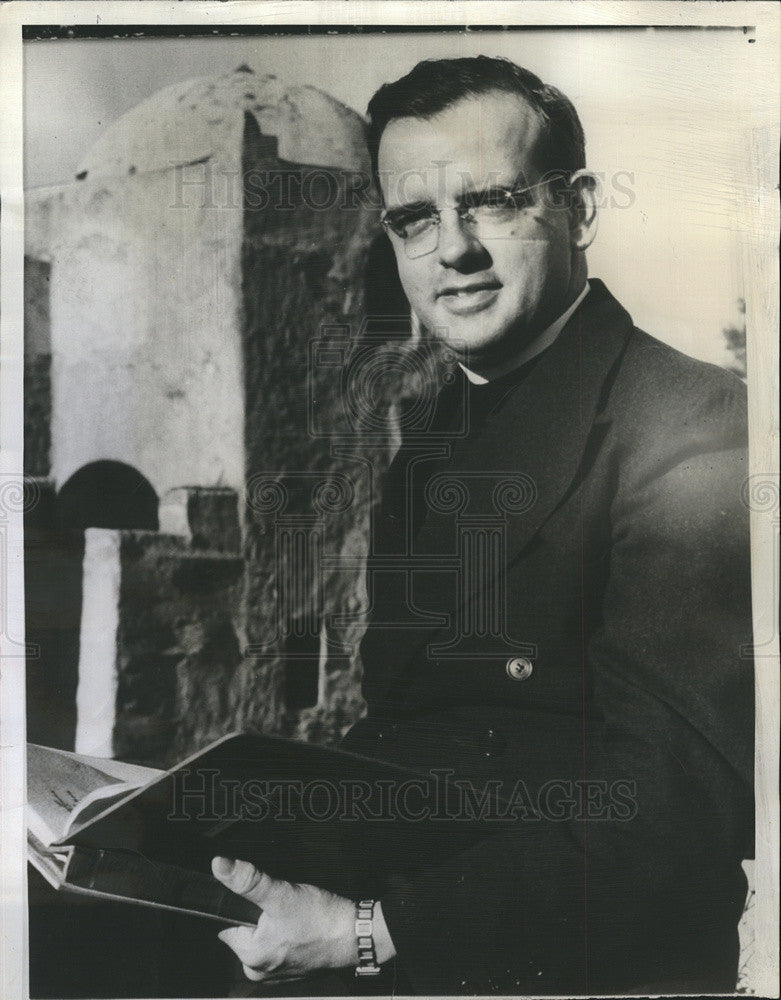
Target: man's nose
(458, 242)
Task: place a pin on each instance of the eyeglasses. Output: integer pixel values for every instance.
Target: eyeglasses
(488, 212)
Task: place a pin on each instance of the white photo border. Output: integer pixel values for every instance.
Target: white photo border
(761, 268)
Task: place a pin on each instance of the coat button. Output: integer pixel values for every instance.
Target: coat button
(519, 668)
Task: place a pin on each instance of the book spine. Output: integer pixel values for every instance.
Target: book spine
(127, 876)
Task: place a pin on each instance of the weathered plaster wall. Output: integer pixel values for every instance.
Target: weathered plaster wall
(146, 358)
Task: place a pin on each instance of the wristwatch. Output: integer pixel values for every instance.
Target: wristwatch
(364, 932)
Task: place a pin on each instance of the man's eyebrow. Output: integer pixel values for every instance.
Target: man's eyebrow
(412, 206)
(471, 194)
(486, 189)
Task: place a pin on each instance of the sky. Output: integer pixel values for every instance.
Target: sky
(668, 115)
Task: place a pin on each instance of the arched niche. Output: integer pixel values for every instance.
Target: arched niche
(108, 494)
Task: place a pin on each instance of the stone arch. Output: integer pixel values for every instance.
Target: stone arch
(108, 494)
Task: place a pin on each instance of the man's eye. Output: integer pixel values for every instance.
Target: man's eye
(412, 224)
(496, 199)
(500, 201)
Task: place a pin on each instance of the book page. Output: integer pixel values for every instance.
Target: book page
(133, 775)
(96, 802)
(50, 864)
(60, 785)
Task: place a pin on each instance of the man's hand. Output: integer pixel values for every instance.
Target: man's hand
(302, 928)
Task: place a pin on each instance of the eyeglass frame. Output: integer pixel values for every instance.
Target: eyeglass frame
(463, 210)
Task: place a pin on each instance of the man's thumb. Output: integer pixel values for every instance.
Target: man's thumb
(244, 879)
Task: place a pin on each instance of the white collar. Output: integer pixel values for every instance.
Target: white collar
(537, 346)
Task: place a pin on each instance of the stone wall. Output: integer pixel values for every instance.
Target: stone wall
(144, 318)
(303, 273)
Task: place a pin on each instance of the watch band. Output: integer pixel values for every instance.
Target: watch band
(364, 932)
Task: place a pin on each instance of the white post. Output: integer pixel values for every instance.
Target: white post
(96, 694)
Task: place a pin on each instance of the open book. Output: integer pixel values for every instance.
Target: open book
(298, 811)
(64, 789)
(66, 792)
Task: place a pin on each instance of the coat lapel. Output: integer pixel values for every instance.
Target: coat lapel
(533, 442)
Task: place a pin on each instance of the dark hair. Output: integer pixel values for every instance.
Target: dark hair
(436, 84)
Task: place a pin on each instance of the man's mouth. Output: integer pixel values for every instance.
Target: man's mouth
(464, 299)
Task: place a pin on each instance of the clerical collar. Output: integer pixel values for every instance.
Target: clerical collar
(537, 346)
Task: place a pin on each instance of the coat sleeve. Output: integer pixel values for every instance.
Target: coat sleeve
(645, 897)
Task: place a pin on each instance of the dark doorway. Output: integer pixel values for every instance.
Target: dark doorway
(108, 494)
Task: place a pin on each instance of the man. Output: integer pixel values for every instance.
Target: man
(616, 672)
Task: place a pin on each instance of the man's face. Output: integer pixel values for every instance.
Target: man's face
(488, 291)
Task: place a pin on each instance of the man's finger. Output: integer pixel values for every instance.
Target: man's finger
(246, 946)
(254, 974)
(244, 879)
(237, 938)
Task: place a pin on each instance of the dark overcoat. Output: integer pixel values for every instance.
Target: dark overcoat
(574, 623)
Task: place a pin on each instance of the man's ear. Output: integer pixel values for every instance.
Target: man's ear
(586, 195)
